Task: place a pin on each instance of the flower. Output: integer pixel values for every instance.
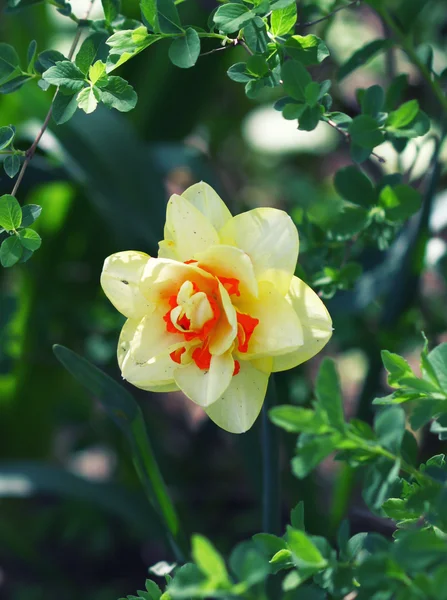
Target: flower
(219, 310)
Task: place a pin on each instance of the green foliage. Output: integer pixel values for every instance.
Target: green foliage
(15, 221)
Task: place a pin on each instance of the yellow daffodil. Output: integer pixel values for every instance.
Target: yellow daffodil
(220, 308)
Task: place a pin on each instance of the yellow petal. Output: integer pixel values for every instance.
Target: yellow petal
(163, 278)
(120, 280)
(151, 337)
(316, 323)
(205, 199)
(156, 373)
(225, 331)
(228, 261)
(156, 376)
(279, 330)
(188, 229)
(205, 387)
(237, 409)
(270, 239)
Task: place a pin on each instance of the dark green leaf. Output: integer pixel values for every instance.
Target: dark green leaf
(292, 111)
(328, 392)
(64, 107)
(118, 94)
(10, 213)
(362, 56)
(111, 9)
(307, 49)
(232, 17)
(238, 72)
(311, 451)
(397, 368)
(304, 552)
(93, 48)
(389, 426)
(10, 251)
(438, 360)
(127, 415)
(162, 15)
(364, 132)
(14, 84)
(249, 562)
(184, 51)
(283, 19)
(351, 221)
(47, 59)
(309, 118)
(378, 482)
(11, 165)
(65, 74)
(30, 212)
(295, 79)
(277, 4)
(255, 34)
(373, 100)
(297, 516)
(396, 91)
(6, 136)
(30, 239)
(9, 62)
(312, 93)
(257, 65)
(353, 185)
(31, 54)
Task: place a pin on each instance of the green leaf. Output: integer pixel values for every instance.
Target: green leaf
(396, 91)
(14, 84)
(184, 51)
(283, 19)
(438, 360)
(378, 482)
(111, 9)
(6, 137)
(417, 550)
(353, 185)
(373, 100)
(30, 239)
(47, 59)
(87, 99)
(249, 562)
(231, 17)
(268, 543)
(295, 79)
(65, 74)
(419, 126)
(31, 55)
(292, 111)
(397, 368)
(362, 56)
(257, 65)
(312, 93)
(9, 62)
(351, 221)
(162, 15)
(64, 107)
(10, 251)
(282, 559)
(11, 164)
(328, 392)
(118, 94)
(255, 34)
(10, 213)
(296, 419)
(30, 212)
(93, 48)
(238, 72)
(127, 44)
(304, 552)
(400, 202)
(364, 132)
(297, 516)
(311, 451)
(97, 73)
(277, 4)
(389, 426)
(307, 49)
(127, 415)
(403, 116)
(209, 561)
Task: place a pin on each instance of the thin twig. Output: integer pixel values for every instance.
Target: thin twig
(347, 137)
(336, 10)
(31, 151)
(244, 45)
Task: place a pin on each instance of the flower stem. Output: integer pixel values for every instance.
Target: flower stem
(271, 504)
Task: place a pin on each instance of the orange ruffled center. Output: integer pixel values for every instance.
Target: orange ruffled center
(194, 315)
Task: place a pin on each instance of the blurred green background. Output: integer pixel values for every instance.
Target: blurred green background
(73, 520)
